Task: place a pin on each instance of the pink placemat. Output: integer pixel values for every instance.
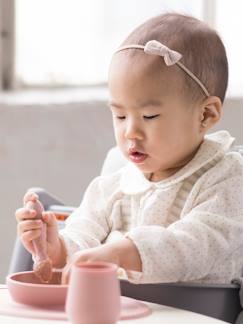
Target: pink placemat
(130, 309)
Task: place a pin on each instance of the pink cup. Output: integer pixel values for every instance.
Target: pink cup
(94, 294)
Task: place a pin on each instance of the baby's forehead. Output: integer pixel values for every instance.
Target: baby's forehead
(135, 57)
(137, 64)
(141, 75)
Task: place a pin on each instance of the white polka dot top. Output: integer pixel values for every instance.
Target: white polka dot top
(188, 227)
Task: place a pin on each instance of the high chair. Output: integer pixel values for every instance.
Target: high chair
(220, 301)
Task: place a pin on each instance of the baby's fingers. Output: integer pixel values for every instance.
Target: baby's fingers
(24, 213)
(66, 274)
(49, 218)
(29, 236)
(27, 239)
(29, 225)
(30, 196)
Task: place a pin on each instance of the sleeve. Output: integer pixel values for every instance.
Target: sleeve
(89, 225)
(189, 248)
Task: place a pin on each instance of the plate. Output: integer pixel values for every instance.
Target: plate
(26, 288)
(27, 296)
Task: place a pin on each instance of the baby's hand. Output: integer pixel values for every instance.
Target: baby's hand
(123, 253)
(105, 253)
(29, 228)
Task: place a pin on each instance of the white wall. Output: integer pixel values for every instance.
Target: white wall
(232, 119)
(59, 145)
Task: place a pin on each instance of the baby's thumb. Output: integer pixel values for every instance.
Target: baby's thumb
(49, 218)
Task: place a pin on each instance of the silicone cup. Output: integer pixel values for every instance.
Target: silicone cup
(94, 294)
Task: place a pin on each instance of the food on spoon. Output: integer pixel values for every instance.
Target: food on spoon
(42, 263)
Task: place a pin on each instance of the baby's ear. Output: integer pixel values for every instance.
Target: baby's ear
(211, 112)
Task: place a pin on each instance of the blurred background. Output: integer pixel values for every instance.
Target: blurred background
(55, 128)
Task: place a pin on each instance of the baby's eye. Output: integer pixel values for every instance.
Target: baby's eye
(120, 117)
(151, 117)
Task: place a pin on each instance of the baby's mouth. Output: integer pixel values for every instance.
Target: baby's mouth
(137, 157)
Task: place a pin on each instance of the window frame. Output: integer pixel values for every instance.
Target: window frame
(7, 44)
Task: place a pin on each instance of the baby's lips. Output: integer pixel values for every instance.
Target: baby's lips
(135, 150)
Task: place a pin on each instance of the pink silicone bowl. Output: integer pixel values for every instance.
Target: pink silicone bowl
(26, 288)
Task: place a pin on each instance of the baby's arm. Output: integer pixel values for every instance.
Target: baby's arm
(198, 245)
(128, 255)
(89, 225)
(123, 253)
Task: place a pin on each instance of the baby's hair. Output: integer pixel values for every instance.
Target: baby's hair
(201, 47)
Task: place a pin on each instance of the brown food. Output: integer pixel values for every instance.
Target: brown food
(43, 270)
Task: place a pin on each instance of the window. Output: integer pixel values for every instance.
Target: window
(70, 42)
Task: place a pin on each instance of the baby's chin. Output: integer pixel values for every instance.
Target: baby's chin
(146, 170)
(156, 174)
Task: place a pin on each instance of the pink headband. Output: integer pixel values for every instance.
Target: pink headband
(170, 57)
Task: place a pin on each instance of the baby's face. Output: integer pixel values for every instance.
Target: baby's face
(155, 126)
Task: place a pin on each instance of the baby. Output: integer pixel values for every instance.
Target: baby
(174, 212)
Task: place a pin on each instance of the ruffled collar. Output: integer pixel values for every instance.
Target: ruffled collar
(215, 145)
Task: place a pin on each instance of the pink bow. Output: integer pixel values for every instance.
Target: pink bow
(154, 47)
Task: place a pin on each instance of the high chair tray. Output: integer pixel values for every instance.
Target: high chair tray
(130, 309)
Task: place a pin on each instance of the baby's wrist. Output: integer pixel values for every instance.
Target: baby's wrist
(128, 255)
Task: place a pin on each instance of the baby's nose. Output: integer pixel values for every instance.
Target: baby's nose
(133, 131)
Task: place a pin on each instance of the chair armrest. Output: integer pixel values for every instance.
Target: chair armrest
(61, 212)
(46, 198)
